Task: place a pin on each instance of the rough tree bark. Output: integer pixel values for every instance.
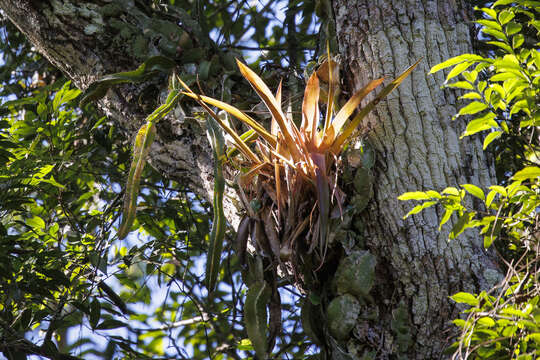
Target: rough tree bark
(418, 148)
(416, 143)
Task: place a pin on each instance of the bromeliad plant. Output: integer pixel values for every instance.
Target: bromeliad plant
(288, 166)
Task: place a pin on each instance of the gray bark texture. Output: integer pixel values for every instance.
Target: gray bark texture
(418, 148)
(416, 143)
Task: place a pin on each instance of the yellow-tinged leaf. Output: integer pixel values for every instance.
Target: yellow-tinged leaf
(328, 140)
(465, 298)
(450, 191)
(332, 84)
(349, 129)
(270, 101)
(346, 111)
(500, 189)
(247, 137)
(457, 60)
(414, 195)
(447, 214)
(420, 207)
(274, 127)
(490, 137)
(530, 172)
(238, 114)
(474, 190)
(310, 107)
(284, 159)
(241, 146)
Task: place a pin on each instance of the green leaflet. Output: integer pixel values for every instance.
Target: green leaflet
(99, 88)
(217, 235)
(141, 148)
(255, 314)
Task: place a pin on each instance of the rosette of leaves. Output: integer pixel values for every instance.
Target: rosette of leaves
(288, 174)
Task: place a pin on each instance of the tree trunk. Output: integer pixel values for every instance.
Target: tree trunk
(415, 141)
(418, 148)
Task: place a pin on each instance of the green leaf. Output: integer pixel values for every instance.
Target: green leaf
(495, 33)
(471, 96)
(513, 28)
(451, 191)
(472, 108)
(535, 337)
(420, 207)
(530, 172)
(110, 324)
(465, 298)
(461, 225)
(461, 85)
(456, 60)
(95, 313)
(474, 190)
(501, 44)
(490, 137)
(217, 234)
(489, 12)
(255, 316)
(141, 148)
(64, 95)
(245, 345)
(484, 122)
(486, 321)
(447, 214)
(490, 24)
(502, 76)
(518, 40)
(502, 2)
(488, 240)
(36, 223)
(414, 195)
(458, 69)
(150, 67)
(489, 198)
(499, 189)
(505, 16)
(470, 76)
